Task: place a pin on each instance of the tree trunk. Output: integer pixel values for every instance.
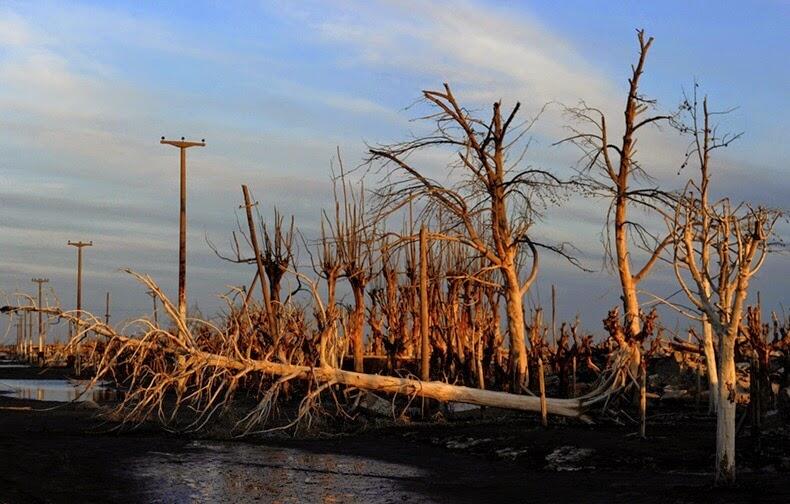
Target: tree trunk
(357, 329)
(627, 283)
(390, 384)
(710, 364)
(515, 322)
(725, 418)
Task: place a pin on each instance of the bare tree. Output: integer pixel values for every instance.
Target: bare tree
(354, 245)
(740, 238)
(493, 205)
(705, 139)
(612, 171)
(737, 240)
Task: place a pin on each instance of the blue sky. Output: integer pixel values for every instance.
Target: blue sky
(87, 88)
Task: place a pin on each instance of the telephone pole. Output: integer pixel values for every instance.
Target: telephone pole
(80, 245)
(40, 281)
(19, 334)
(107, 310)
(183, 145)
(24, 333)
(29, 335)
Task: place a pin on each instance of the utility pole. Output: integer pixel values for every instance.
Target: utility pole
(29, 335)
(40, 281)
(80, 245)
(18, 334)
(24, 333)
(183, 145)
(107, 309)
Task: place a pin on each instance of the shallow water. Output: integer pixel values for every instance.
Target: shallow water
(55, 390)
(236, 472)
(9, 363)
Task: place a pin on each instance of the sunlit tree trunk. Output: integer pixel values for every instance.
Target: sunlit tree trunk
(710, 364)
(725, 417)
(514, 306)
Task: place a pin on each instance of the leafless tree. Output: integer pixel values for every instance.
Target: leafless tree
(740, 238)
(718, 248)
(493, 205)
(705, 138)
(611, 170)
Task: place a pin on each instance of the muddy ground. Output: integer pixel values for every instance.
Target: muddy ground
(55, 453)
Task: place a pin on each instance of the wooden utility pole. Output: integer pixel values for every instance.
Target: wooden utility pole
(183, 145)
(259, 262)
(107, 309)
(40, 281)
(29, 335)
(19, 340)
(425, 350)
(23, 321)
(80, 245)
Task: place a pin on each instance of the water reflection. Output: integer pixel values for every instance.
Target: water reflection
(5, 364)
(236, 472)
(55, 390)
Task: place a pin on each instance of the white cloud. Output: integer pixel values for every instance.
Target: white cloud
(489, 51)
(15, 32)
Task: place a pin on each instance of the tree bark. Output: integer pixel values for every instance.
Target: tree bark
(358, 328)
(710, 364)
(514, 304)
(433, 390)
(725, 417)
(627, 283)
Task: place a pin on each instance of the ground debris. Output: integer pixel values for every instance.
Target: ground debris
(510, 453)
(569, 458)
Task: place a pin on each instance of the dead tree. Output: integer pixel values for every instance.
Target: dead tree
(328, 267)
(278, 254)
(740, 238)
(492, 207)
(353, 234)
(705, 139)
(199, 369)
(612, 171)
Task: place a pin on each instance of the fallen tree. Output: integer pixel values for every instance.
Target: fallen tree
(167, 370)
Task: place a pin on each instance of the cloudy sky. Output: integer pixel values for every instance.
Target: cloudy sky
(87, 89)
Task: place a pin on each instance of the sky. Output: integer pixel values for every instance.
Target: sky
(88, 88)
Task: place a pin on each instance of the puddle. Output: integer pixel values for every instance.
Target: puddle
(8, 363)
(236, 472)
(55, 390)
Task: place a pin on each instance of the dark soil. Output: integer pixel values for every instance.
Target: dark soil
(63, 453)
